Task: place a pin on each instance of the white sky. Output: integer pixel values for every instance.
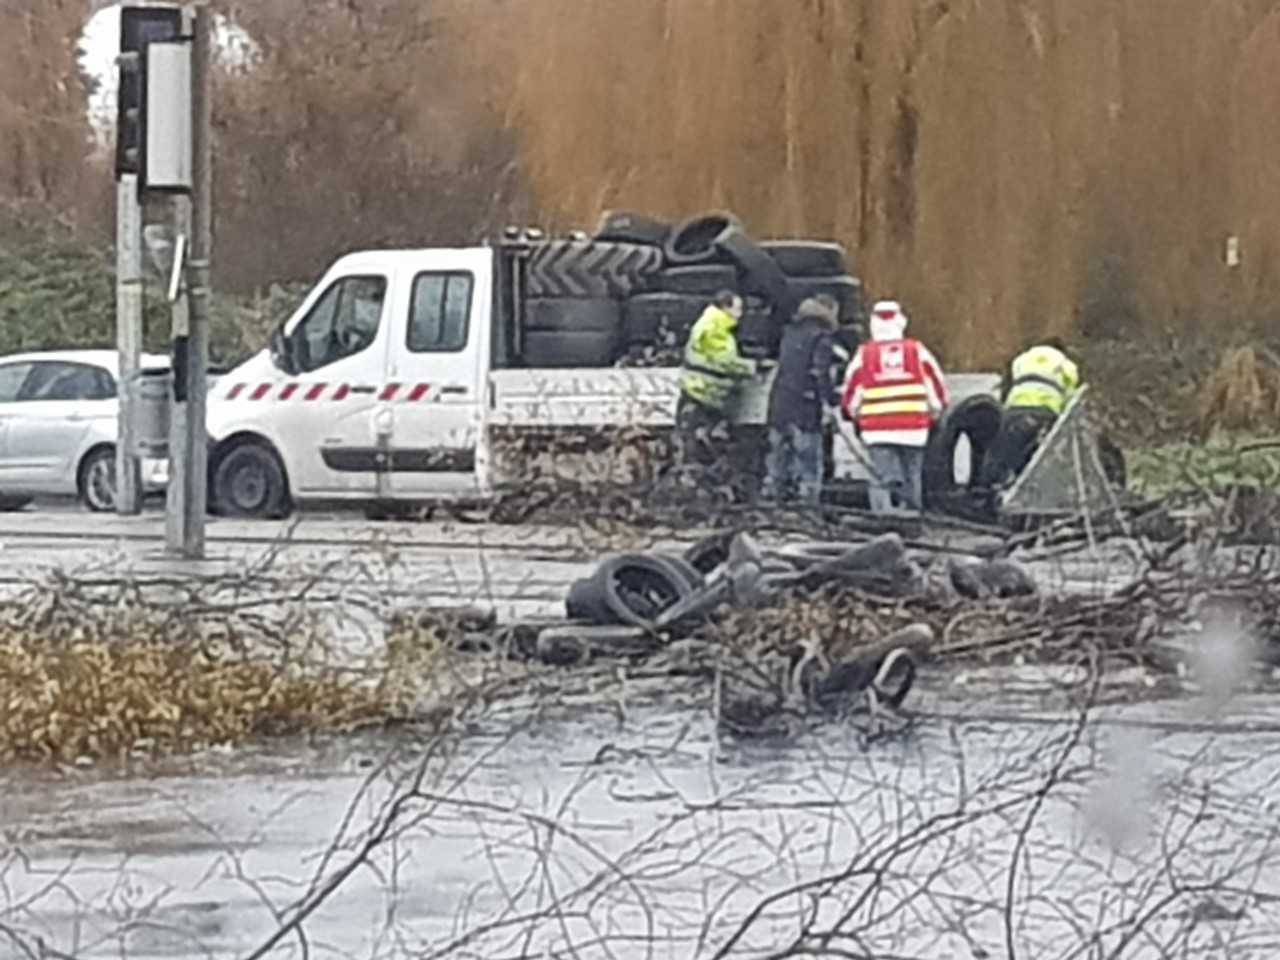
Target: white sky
(100, 42)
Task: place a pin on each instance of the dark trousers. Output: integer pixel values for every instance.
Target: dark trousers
(703, 440)
(1021, 430)
(703, 433)
(794, 466)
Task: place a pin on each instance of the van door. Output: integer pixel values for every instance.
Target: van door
(324, 414)
(434, 395)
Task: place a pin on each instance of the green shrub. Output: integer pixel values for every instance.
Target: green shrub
(57, 291)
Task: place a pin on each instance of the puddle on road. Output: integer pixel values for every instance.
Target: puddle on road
(652, 822)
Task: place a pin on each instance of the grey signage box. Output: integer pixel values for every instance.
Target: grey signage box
(169, 128)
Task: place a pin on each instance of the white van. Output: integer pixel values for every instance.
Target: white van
(399, 375)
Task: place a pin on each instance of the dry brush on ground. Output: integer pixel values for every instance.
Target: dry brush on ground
(105, 663)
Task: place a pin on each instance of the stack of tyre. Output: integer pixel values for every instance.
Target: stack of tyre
(631, 293)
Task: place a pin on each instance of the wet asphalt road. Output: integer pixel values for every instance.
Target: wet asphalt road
(519, 571)
(640, 833)
(582, 837)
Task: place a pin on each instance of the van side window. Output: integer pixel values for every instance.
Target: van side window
(439, 312)
(343, 322)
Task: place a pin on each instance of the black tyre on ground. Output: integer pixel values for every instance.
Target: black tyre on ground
(684, 569)
(11, 503)
(804, 258)
(705, 555)
(573, 315)
(250, 482)
(975, 418)
(704, 280)
(622, 226)
(636, 588)
(629, 589)
(698, 240)
(545, 349)
(584, 602)
(760, 273)
(96, 480)
(589, 268)
(895, 676)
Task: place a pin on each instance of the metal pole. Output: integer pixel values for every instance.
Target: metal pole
(178, 494)
(187, 489)
(128, 340)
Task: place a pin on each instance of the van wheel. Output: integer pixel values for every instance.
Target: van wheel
(96, 481)
(250, 483)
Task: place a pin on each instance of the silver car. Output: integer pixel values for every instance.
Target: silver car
(58, 428)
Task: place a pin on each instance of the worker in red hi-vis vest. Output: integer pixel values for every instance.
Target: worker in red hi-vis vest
(894, 391)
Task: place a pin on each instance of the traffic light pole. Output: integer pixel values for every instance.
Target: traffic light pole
(187, 494)
(128, 340)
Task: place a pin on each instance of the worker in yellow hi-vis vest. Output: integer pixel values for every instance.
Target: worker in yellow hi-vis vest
(1039, 384)
(714, 372)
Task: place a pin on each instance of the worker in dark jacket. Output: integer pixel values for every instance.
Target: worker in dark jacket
(803, 390)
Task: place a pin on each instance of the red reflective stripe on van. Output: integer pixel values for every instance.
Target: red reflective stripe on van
(260, 391)
(288, 391)
(418, 392)
(341, 392)
(235, 391)
(315, 392)
(389, 391)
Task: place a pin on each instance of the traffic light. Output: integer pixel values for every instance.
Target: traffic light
(139, 26)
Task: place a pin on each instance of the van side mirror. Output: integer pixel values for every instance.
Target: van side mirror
(282, 352)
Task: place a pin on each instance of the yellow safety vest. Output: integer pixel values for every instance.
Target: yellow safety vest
(1042, 377)
(712, 367)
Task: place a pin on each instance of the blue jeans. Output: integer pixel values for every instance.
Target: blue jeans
(794, 465)
(898, 469)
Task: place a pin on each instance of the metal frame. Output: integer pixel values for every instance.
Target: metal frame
(1065, 475)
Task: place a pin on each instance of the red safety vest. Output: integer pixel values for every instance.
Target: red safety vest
(895, 395)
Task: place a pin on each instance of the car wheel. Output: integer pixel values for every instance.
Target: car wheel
(10, 504)
(250, 482)
(97, 480)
